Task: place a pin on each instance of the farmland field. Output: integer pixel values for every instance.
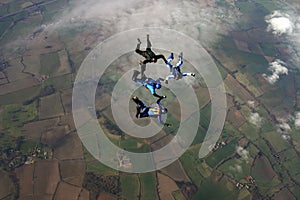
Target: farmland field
(51, 106)
(148, 186)
(130, 186)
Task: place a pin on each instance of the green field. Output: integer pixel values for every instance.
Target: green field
(51, 106)
(28, 146)
(205, 115)
(221, 153)
(214, 191)
(148, 186)
(269, 5)
(95, 166)
(200, 136)
(20, 96)
(265, 177)
(129, 186)
(7, 141)
(292, 166)
(278, 143)
(268, 49)
(49, 63)
(229, 131)
(14, 116)
(236, 168)
(61, 82)
(254, 63)
(3, 9)
(178, 195)
(296, 191)
(190, 161)
(4, 26)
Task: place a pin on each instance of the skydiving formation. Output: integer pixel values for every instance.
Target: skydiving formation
(152, 85)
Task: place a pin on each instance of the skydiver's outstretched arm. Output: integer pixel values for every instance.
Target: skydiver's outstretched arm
(188, 74)
(160, 56)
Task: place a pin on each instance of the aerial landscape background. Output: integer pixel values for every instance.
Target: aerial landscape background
(255, 45)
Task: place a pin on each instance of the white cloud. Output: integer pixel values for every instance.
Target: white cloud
(277, 68)
(243, 153)
(251, 104)
(286, 136)
(297, 120)
(256, 119)
(283, 129)
(279, 23)
(287, 24)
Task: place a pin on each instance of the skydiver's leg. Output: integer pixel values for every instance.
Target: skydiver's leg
(169, 77)
(169, 60)
(146, 61)
(135, 74)
(180, 61)
(139, 51)
(135, 79)
(143, 69)
(149, 45)
(138, 102)
(159, 99)
(158, 96)
(160, 56)
(138, 46)
(140, 105)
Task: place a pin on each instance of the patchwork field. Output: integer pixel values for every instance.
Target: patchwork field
(38, 64)
(51, 106)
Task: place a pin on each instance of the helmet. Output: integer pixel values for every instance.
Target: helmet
(158, 86)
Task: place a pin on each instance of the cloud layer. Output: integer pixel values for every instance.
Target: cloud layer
(277, 68)
(202, 20)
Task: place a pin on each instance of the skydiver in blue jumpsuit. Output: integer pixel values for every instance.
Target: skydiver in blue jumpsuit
(175, 70)
(150, 84)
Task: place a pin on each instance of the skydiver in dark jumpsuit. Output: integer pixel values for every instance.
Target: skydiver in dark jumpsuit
(149, 55)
